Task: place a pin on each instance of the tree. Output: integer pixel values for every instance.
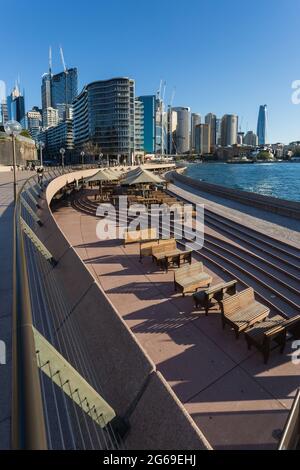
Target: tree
(91, 149)
(26, 133)
(264, 155)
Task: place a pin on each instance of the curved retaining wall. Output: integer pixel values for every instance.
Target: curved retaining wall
(128, 377)
(271, 204)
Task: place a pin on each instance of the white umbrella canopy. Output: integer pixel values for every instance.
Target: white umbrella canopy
(102, 175)
(141, 176)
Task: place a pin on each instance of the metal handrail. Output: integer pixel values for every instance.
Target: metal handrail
(28, 425)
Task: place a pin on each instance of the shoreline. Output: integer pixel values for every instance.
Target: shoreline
(271, 204)
(267, 179)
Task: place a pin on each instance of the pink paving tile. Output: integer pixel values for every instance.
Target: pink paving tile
(280, 376)
(225, 339)
(187, 359)
(236, 413)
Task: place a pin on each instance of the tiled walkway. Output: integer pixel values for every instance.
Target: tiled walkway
(6, 245)
(237, 401)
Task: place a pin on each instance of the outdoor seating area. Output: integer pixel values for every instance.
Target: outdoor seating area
(216, 377)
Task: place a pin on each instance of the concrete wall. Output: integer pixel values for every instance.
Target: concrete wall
(28, 146)
(267, 203)
(128, 377)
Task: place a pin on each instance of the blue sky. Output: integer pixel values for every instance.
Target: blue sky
(223, 56)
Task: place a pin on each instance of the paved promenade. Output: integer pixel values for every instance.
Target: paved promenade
(236, 400)
(6, 257)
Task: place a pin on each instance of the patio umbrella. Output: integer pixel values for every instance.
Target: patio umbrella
(141, 176)
(100, 176)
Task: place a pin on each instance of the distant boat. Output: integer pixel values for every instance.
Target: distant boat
(240, 160)
(296, 159)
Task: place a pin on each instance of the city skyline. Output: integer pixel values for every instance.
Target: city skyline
(238, 75)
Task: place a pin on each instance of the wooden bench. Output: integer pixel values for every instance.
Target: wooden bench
(135, 236)
(273, 331)
(242, 310)
(189, 278)
(146, 247)
(159, 251)
(214, 295)
(177, 259)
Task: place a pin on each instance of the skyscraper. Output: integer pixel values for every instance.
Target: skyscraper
(34, 122)
(16, 106)
(138, 127)
(104, 115)
(262, 125)
(251, 139)
(64, 87)
(229, 130)
(195, 120)
(59, 90)
(211, 119)
(202, 139)
(183, 129)
(171, 131)
(218, 131)
(153, 124)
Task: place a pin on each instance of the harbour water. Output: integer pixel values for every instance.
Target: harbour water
(280, 179)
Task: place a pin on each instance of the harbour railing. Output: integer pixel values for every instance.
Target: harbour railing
(57, 401)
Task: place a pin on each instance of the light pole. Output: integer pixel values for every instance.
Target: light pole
(41, 146)
(82, 157)
(62, 152)
(100, 158)
(13, 128)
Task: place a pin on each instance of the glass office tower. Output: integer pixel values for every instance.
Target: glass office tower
(262, 125)
(104, 114)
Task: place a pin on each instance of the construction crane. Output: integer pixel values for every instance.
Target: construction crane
(63, 59)
(50, 60)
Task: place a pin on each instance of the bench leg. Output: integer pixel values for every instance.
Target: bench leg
(266, 354)
(237, 334)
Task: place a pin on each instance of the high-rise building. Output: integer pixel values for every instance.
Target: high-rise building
(183, 129)
(171, 132)
(50, 117)
(55, 137)
(240, 138)
(64, 87)
(251, 139)
(149, 107)
(202, 139)
(218, 131)
(262, 125)
(46, 91)
(195, 120)
(154, 130)
(138, 127)
(16, 106)
(211, 120)
(4, 111)
(104, 115)
(59, 90)
(34, 122)
(229, 130)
